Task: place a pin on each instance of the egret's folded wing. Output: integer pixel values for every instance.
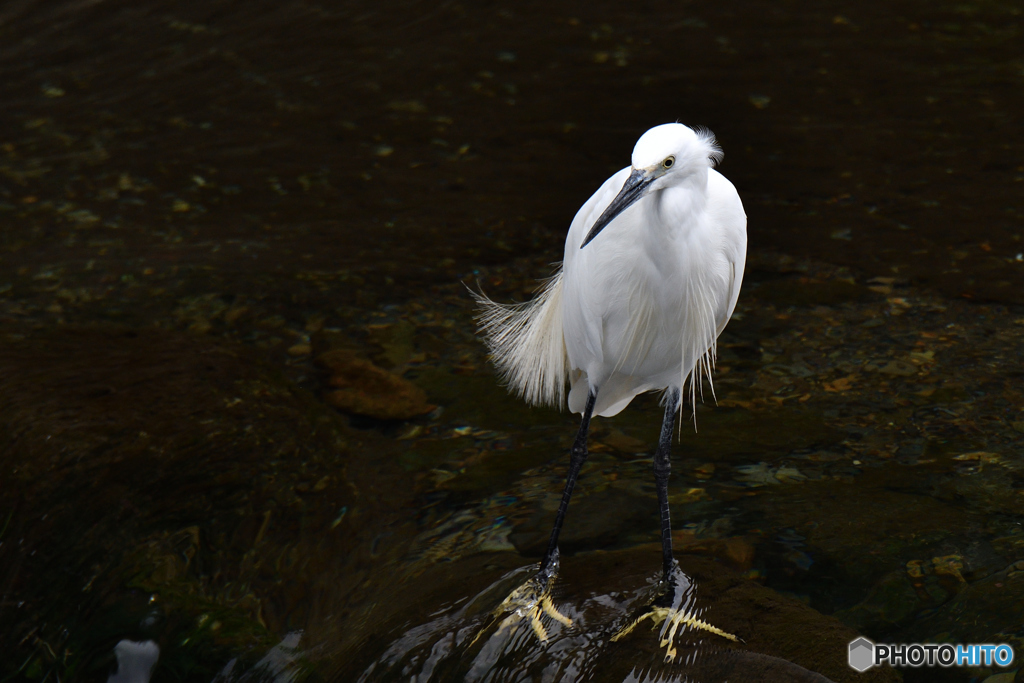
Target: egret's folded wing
(727, 209)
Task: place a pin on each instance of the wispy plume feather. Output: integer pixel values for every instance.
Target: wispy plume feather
(526, 343)
(700, 341)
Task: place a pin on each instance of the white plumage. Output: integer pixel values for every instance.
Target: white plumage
(640, 306)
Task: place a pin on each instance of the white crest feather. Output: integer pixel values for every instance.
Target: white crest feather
(527, 345)
(707, 138)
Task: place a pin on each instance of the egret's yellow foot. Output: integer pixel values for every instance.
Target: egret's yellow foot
(530, 602)
(673, 618)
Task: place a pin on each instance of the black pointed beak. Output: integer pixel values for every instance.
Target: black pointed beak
(632, 190)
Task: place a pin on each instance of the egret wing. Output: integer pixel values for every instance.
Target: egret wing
(727, 210)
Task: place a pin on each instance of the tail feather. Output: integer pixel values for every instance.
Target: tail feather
(527, 345)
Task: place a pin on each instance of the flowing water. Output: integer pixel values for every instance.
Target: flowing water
(246, 416)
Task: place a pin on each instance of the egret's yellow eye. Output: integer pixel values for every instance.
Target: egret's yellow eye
(668, 162)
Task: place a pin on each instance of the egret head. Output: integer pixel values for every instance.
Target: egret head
(664, 156)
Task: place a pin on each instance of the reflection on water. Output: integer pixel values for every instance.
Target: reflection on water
(135, 661)
(223, 221)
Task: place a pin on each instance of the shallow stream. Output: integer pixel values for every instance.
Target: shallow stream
(244, 412)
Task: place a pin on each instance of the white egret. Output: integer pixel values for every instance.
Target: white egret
(651, 273)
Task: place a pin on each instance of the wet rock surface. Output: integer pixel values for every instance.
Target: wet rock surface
(784, 640)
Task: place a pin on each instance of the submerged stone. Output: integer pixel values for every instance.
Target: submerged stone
(998, 597)
(363, 388)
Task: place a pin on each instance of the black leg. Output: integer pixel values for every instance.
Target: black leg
(662, 468)
(577, 457)
(670, 606)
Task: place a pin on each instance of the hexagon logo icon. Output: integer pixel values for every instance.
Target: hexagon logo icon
(862, 654)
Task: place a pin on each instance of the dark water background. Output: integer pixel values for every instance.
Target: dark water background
(199, 199)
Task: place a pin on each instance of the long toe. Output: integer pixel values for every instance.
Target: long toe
(674, 609)
(675, 623)
(530, 602)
